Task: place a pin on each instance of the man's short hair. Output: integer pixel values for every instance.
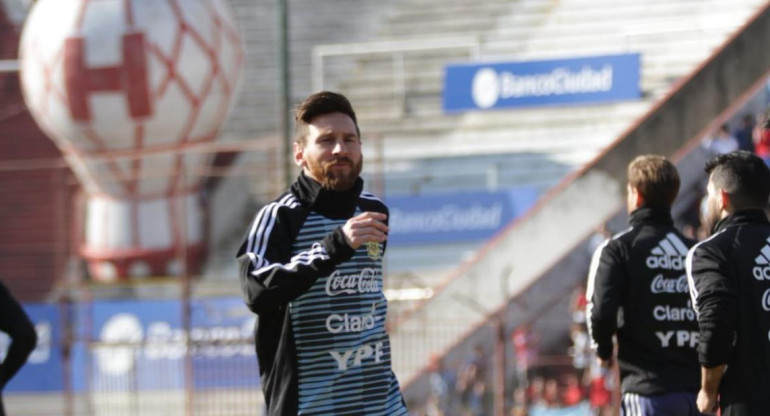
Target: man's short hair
(655, 178)
(318, 104)
(743, 176)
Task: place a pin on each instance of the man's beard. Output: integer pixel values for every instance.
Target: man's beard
(332, 179)
(712, 216)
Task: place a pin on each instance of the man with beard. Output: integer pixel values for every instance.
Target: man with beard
(637, 291)
(729, 278)
(311, 269)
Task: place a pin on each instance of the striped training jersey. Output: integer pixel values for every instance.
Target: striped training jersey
(320, 335)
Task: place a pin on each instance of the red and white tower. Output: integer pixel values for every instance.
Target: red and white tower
(127, 89)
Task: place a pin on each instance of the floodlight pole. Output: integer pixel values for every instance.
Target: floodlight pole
(284, 70)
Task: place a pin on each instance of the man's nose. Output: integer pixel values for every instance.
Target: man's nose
(339, 147)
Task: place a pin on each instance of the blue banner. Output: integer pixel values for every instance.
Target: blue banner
(144, 343)
(141, 345)
(456, 217)
(538, 83)
(43, 370)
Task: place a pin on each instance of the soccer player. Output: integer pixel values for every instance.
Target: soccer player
(15, 323)
(311, 269)
(637, 291)
(729, 277)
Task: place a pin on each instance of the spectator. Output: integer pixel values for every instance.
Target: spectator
(573, 393)
(536, 388)
(524, 341)
(762, 141)
(722, 142)
(520, 407)
(580, 350)
(743, 134)
(471, 371)
(551, 395)
(438, 379)
(480, 399)
(579, 303)
(600, 390)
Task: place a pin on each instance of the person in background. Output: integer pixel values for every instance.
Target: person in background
(637, 291)
(722, 142)
(729, 280)
(15, 323)
(743, 134)
(762, 141)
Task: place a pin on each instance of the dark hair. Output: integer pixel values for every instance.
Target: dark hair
(318, 104)
(743, 176)
(655, 178)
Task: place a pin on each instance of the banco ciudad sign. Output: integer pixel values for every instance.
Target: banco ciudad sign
(485, 86)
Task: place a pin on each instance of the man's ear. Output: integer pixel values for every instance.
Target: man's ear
(724, 201)
(639, 199)
(299, 152)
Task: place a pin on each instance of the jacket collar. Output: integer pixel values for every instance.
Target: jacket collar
(749, 216)
(648, 215)
(329, 203)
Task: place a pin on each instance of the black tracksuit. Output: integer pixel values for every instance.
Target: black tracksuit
(729, 277)
(637, 290)
(15, 323)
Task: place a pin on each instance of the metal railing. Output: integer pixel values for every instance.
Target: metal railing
(397, 49)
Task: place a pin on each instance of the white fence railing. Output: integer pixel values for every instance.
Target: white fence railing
(397, 49)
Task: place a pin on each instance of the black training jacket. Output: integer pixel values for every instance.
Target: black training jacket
(14, 322)
(320, 337)
(729, 276)
(637, 290)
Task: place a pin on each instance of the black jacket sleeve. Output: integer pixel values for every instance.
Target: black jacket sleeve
(15, 322)
(715, 300)
(606, 285)
(270, 276)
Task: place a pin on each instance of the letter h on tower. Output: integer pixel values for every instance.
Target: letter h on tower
(130, 78)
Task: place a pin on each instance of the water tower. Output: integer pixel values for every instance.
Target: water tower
(128, 90)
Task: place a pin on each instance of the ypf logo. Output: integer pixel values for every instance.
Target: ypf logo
(762, 269)
(486, 88)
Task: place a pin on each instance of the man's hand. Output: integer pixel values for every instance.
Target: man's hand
(365, 228)
(707, 403)
(709, 388)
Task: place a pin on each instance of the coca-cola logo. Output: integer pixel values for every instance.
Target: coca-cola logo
(368, 281)
(662, 285)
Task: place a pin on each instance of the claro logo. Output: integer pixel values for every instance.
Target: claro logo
(346, 323)
(368, 281)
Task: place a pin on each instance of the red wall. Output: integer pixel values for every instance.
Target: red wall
(36, 192)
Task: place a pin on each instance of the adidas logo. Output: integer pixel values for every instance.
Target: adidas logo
(669, 254)
(762, 270)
